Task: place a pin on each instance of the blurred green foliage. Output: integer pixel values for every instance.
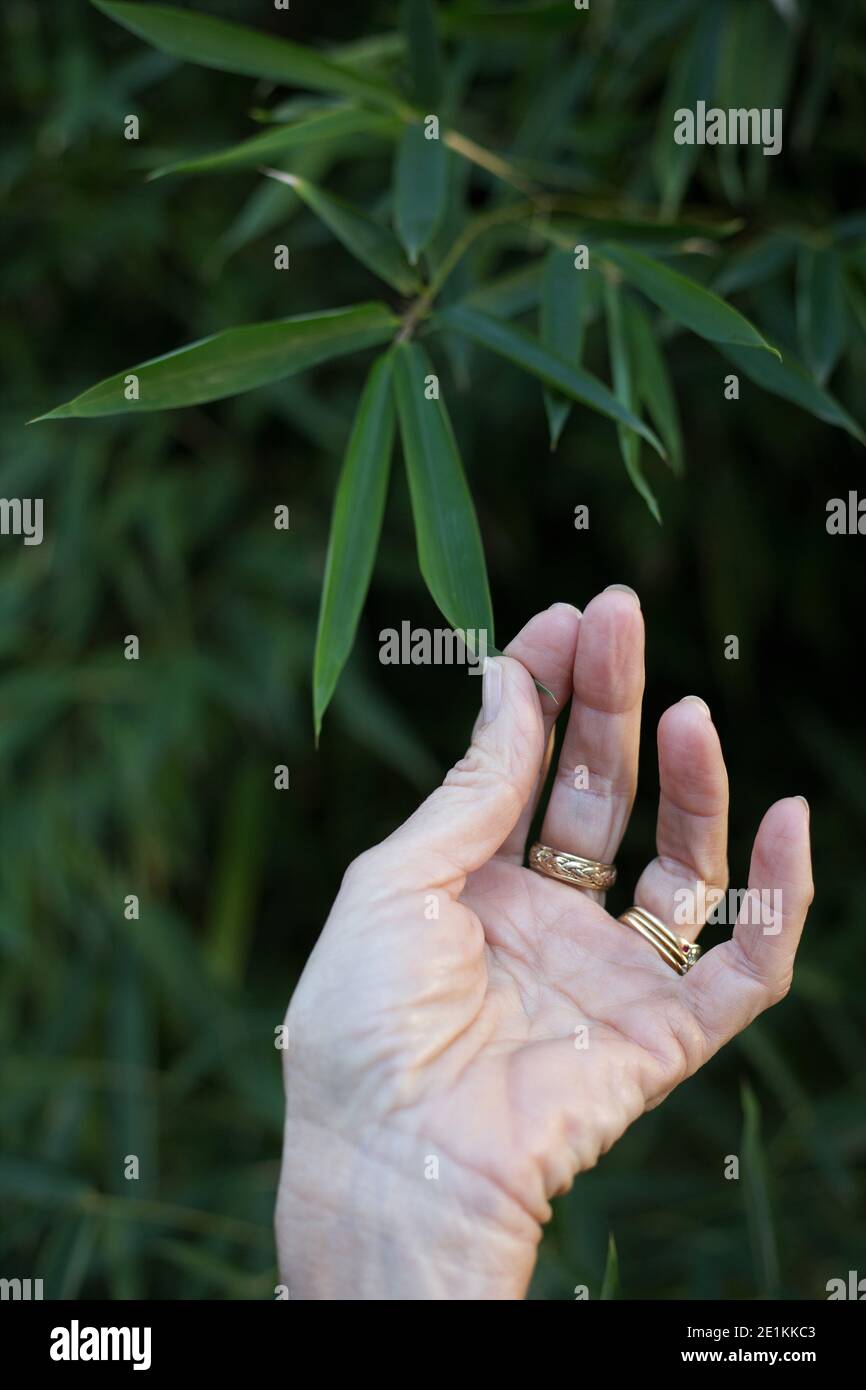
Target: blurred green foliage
(155, 1037)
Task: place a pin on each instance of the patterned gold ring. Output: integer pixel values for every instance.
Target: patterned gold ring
(572, 868)
(679, 953)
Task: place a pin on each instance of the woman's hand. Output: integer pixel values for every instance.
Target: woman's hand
(468, 1035)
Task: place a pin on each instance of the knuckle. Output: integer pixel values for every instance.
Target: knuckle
(475, 773)
(361, 869)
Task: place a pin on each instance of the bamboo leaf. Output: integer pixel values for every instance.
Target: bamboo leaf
(597, 227)
(562, 322)
(526, 352)
(510, 294)
(355, 528)
(361, 707)
(791, 381)
(685, 301)
(233, 361)
(758, 1214)
(450, 553)
(215, 43)
(652, 380)
(323, 125)
(425, 52)
(369, 242)
(510, 22)
(626, 392)
(759, 262)
(691, 78)
(610, 1278)
(822, 314)
(420, 189)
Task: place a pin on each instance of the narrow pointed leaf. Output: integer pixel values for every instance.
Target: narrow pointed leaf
(761, 261)
(368, 241)
(215, 43)
(685, 301)
(235, 360)
(510, 294)
(822, 313)
(425, 52)
(420, 189)
(647, 231)
(450, 553)
(324, 125)
(355, 527)
(610, 1278)
(562, 322)
(791, 381)
(622, 369)
(691, 78)
(652, 380)
(526, 352)
(762, 1235)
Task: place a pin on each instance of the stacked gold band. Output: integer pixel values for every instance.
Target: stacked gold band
(679, 953)
(572, 868)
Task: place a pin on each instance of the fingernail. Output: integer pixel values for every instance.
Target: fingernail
(491, 690)
(623, 589)
(696, 700)
(805, 803)
(570, 606)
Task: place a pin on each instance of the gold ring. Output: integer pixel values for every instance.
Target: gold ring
(572, 868)
(679, 953)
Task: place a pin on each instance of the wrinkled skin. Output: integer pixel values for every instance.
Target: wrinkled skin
(469, 1035)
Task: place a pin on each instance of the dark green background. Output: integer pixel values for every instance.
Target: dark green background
(156, 778)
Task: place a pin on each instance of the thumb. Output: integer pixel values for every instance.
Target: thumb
(465, 821)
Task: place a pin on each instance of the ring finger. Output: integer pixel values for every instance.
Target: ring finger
(683, 884)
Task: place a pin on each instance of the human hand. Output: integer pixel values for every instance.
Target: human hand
(469, 1035)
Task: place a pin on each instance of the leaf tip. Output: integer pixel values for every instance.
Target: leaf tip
(281, 176)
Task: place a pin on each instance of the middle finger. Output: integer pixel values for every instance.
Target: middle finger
(595, 782)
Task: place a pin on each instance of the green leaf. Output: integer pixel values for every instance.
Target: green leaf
(235, 360)
(554, 371)
(25, 1181)
(610, 1278)
(691, 78)
(450, 553)
(324, 125)
(507, 23)
(652, 380)
(684, 300)
(562, 322)
(425, 52)
(369, 242)
(626, 392)
(594, 228)
(822, 313)
(383, 727)
(759, 1216)
(355, 528)
(510, 294)
(214, 43)
(791, 381)
(761, 261)
(420, 189)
